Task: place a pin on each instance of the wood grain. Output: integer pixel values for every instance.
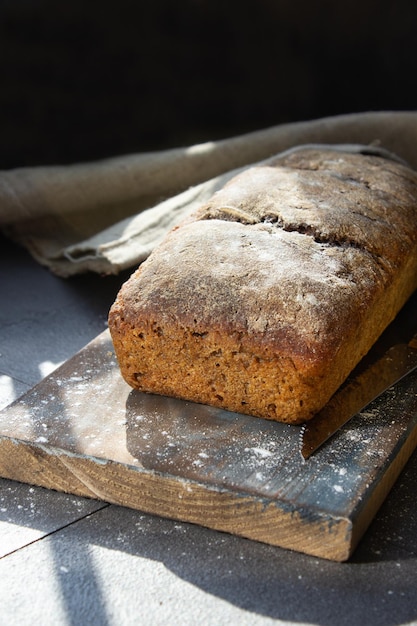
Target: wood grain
(82, 430)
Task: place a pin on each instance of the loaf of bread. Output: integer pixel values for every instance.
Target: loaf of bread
(265, 299)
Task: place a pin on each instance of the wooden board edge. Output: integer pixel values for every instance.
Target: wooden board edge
(223, 510)
(365, 515)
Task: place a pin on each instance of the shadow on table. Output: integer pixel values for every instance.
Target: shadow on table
(377, 586)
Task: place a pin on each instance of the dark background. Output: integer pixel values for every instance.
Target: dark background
(82, 80)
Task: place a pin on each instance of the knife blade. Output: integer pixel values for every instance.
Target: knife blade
(354, 396)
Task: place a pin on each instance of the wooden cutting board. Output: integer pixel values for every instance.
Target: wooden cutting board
(82, 430)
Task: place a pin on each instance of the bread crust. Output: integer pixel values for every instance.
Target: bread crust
(265, 299)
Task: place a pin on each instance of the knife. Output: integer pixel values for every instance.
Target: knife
(355, 395)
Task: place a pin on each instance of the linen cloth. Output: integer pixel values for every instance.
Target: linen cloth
(107, 216)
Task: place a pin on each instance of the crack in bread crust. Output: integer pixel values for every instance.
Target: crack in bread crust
(265, 299)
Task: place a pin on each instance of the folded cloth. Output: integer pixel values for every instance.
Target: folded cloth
(108, 215)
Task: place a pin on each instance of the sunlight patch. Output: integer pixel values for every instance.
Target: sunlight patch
(46, 367)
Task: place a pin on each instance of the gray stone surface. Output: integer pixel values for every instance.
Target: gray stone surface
(28, 513)
(71, 561)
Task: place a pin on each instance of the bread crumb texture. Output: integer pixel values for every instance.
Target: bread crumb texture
(265, 299)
